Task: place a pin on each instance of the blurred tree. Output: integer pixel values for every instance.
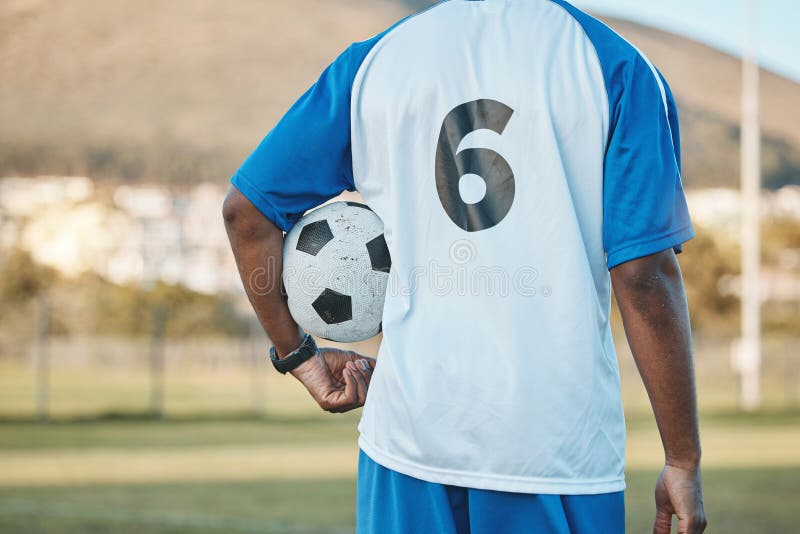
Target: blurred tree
(781, 251)
(91, 305)
(704, 263)
(189, 313)
(779, 237)
(23, 278)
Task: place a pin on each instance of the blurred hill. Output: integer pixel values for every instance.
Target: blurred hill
(181, 91)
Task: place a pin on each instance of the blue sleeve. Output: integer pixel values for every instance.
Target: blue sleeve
(644, 207)
(306, 159)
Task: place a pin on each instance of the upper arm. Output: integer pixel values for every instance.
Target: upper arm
(640, 273)
(644, 207)
(650, 287)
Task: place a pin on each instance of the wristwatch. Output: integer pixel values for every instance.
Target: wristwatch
(293, 360)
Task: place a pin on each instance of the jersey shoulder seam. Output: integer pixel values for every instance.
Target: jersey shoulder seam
(599, 62)
(637, 53)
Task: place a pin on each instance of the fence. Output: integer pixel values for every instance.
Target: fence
(49, 375)
(63, 376)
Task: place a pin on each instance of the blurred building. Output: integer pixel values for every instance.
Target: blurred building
(719, 209)
(143, 233)
(126, 234)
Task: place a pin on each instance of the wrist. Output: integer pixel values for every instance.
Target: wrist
(288, 344)
(291, 361)
(688, 462)
(305, 369)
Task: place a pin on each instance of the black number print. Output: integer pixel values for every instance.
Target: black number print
(488, 164)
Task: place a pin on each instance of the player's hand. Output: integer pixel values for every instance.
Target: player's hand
(679, 492)
(337, 379)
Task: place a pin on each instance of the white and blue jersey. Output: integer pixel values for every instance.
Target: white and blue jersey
(516, 151)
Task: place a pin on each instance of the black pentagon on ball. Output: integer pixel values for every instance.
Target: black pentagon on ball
(379, 254)
(334, 307)
(314, 236)
(358, 205)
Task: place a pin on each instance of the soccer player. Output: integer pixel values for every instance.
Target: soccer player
(525, 139)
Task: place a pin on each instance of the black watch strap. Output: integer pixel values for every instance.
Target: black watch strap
(306, 351)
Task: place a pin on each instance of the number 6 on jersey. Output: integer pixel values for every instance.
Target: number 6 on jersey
(495, 171)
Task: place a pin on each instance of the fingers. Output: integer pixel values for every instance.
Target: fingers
(336, 361)
(354, 356)
(694, 523)
(365, 367)
(663, 523)
(691, 523)
(362, 371)
(340, 384)
(345, 399)
(701, 522)
(354, 393)
(679, 492)
(664, 509)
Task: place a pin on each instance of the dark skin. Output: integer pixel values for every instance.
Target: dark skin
(336, 379)
(652, 300)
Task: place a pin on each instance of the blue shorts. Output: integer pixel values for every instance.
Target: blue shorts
(391, 503)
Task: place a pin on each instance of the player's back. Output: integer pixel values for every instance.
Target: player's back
(480, 132)
(516, 150)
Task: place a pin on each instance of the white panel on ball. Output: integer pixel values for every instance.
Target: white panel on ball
(335, 272)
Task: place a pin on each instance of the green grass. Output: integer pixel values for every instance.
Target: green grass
(299, 475)
(747, 501)
(738, 501)
(102, 464)
(178, 433)
(315, 506)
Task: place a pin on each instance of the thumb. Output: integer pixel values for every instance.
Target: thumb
(663, 523)
(683, 525)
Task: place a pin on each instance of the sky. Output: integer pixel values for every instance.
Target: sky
(719, 23)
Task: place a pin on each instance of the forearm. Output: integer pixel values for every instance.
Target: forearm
(653, 304)
(257, 246)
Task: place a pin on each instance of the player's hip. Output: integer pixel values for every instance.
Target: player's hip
(390, 502)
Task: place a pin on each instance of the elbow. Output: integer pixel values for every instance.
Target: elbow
(231, 210)
(237, 209)
(242, 219)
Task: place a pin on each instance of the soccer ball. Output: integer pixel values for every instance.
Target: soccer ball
(335, 272)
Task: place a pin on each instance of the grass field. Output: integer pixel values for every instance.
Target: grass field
(101, 465)
(297, 475)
